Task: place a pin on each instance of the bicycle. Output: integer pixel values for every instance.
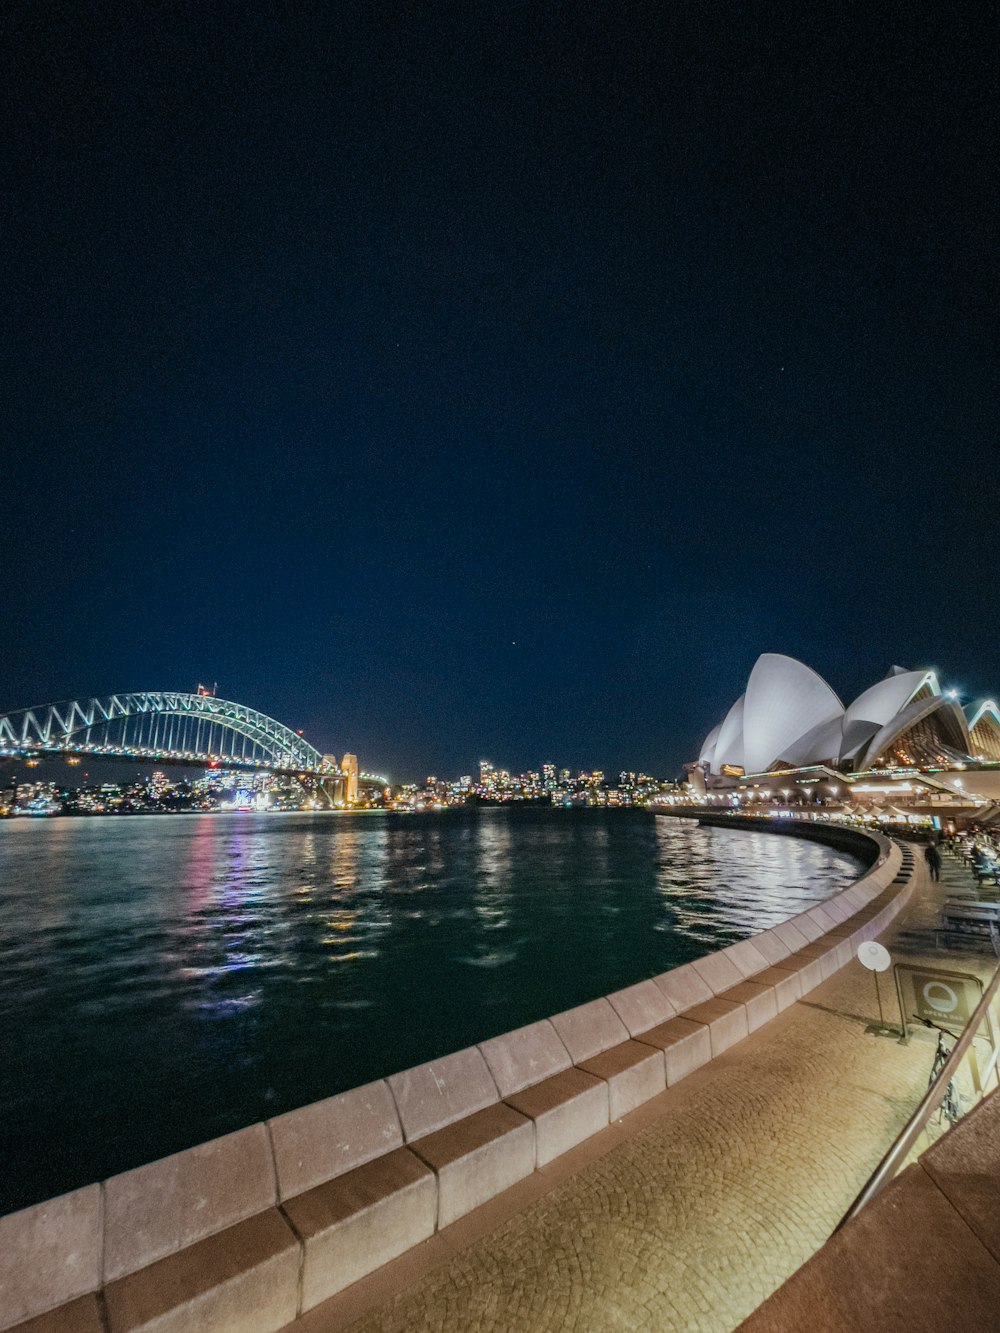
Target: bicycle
(951, 1104)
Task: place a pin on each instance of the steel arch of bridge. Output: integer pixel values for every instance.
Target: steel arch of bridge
(69, 727)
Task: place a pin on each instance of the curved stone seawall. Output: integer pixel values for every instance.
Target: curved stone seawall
(865, 847)
(249, 1230)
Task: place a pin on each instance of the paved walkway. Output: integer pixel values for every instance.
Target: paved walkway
(702, 1202)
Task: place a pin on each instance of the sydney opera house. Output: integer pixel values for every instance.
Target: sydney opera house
(789, 719)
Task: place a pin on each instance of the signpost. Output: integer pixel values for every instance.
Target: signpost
(940, 1000)
(938, 994)
(876, 958)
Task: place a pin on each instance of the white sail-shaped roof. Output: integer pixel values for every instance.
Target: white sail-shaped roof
(879, 704)
(707, 755)
(821, 745)
(975, 712)
(790, 717)
(983, 720)
(729, 745)
(785, 700)
(949, 717)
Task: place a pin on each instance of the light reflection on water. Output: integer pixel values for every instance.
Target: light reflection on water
(165, 980)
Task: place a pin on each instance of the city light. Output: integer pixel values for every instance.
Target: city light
(500, 786)
(340, 786)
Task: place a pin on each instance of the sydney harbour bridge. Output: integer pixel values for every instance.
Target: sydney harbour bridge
(162, 727)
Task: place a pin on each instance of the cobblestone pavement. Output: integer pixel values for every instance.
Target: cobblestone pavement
(693, 1221)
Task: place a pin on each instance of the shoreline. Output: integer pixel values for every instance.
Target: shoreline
(695, 1025)
(158, 909)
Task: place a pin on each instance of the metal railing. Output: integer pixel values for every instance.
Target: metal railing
(963, 1052)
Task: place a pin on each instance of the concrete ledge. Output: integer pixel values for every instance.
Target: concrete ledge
(245, 1278)
(50, 1254)
(642, 1006)
(478, 1157)
(317, 1142)
(683, 987)
(867, 890)
(857, 899)
(633, 1072)
(431, 1096)
(878, 924)
(809, 970)
(818, 950)
(824, 954)
(80, 1316)
(567, 1108)
(785, 982)
(843, 951)
(838, 910)
(771, 946)
(717, 971)
(806, 926)
(590, 1029)
(525, 1056)
(842, 908)
(759, 1000)
(360, 1220)
(726, 1022)
(874, 926)
(747, 957)
(685, 1045)
(824, 919)
(791, 936)
(168, 1205)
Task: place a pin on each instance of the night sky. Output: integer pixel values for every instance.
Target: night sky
(459, 381)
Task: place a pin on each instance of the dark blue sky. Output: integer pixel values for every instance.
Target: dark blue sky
(477, 380)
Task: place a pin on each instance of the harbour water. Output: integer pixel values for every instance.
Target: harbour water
(168, 979)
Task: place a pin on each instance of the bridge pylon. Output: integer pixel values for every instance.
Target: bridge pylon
(332, 784)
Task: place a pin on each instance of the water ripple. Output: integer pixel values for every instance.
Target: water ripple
(164, 981)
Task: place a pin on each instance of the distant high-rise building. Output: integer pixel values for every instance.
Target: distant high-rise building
(349, 768)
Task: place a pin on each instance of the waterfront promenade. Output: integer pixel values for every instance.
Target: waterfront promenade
(691, 1211)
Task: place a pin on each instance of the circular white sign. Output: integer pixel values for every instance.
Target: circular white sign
(941, 998)
(874, 956)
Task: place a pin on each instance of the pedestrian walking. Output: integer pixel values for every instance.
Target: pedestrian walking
(933, 858)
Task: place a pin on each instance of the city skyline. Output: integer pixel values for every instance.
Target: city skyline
(415, 773)
(35, 793)
(72, 773)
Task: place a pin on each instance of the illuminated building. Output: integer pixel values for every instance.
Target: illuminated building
(789, 718)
